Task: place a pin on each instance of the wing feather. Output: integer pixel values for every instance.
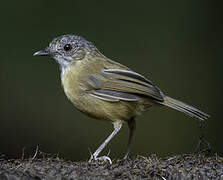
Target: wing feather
(123, 85)
(105, 98)
(134, 81)
(116, 95)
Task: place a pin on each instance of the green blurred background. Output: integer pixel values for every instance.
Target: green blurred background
(176, 44)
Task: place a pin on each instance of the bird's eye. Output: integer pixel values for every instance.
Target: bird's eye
(67, 47)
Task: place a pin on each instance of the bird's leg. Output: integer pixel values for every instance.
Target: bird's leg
(132, 126)
(117, 127)
(203, 145)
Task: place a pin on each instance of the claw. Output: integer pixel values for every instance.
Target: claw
(102, 158)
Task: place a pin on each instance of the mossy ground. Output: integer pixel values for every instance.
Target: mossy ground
(186, 166)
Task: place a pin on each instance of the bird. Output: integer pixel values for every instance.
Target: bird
(105, 89)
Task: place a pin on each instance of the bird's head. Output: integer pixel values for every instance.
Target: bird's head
(68, 48)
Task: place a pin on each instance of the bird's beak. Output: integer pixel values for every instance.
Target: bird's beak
(44, 52)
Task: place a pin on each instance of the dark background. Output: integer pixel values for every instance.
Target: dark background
(176, 44)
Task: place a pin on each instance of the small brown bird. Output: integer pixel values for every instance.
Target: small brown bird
(104, 89)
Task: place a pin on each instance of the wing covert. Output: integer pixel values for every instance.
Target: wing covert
(123, 85)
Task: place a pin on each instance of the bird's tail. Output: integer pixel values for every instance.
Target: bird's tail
(185, 108)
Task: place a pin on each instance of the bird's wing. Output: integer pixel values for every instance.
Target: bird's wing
(117, 84)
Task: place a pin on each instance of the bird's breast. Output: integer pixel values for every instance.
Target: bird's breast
(72, 82)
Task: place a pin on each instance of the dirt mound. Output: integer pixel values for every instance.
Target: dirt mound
(177, 167)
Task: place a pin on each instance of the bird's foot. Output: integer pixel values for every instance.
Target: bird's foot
(126, 157)
(101, 159)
